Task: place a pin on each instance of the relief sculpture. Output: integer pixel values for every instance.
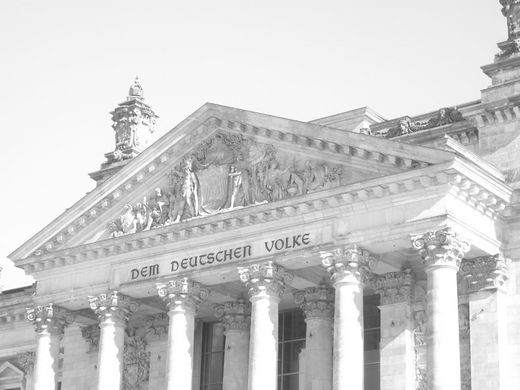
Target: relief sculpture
(226, 172)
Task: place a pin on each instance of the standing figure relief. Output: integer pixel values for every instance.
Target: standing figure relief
(225, 172)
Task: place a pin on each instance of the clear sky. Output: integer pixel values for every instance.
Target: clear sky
(64, 65)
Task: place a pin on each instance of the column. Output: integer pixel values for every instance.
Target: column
(349, 268)
(182, 297)
(235, 316)
(317, 304)
(49, 322)
(266, 284)
(113, 310)
(441, 253)
(397, 339)
(483, 280)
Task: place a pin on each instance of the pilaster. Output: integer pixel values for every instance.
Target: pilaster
(236, 317)
(483, 279)
(397, 340)
(318, 305)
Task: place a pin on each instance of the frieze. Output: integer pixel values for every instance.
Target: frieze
(226, 172)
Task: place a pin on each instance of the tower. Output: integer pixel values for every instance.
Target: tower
(134, 125)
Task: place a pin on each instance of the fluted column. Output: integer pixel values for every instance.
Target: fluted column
(317, 304)
(397, 340)
(266, 283)
(349, 268)
(113, 310)
(483, 279)
(49, 322)
(441, 253)
(182, 297)
(236, 317)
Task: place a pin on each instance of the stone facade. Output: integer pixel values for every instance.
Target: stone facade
(239, 240)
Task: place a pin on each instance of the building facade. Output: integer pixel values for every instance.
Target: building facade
(246, 251)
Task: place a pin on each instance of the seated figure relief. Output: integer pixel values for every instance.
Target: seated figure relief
(224, 173)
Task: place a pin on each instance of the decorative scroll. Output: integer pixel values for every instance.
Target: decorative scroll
(49, 318)
(394, 287)
(235, 315)
(444, 116)
(441, 247)
(351, 262)
(316, 302)
(267, 278)
(225, 172)
(484, 273)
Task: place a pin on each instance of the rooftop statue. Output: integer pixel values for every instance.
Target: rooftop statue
(445, 116)
(511, 10)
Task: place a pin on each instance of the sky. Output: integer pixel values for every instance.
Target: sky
(65, 65)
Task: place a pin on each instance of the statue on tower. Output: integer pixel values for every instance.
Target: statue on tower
(511, 10)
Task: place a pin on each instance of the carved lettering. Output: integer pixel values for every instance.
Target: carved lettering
(287, 242)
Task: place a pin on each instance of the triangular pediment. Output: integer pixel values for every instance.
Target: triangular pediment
(9, 371)
(220, 159)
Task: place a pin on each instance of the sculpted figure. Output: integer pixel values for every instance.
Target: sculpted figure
(160, 206)
(191, 188)
(276, 181)
(246, 183)
(314, 176)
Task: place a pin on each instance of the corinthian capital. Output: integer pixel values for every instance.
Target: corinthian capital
(267, 278)
(112, 306)
(316, 302)
(484, 273)
(50, 318)
(443, 247)
(235, 315)
(350, 265)
(182, 294)
(393, 287)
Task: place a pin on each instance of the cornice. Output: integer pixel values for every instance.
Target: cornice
(351, 148)
(486, 195)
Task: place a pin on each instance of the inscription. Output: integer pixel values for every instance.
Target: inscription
(220, 256)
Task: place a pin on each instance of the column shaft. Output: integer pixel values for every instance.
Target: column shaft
(236, 359)
(110, 354)
(397, 347)
(443, 353)
(318, 354)
(46, 360)
(263, 346)
(348, 337)
(181, 332)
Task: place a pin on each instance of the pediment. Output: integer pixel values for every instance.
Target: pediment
(9, 371)
(220, 159)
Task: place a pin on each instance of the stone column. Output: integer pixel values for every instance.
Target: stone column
(317, 304)
(441, 252)
(113, 310)
(236, 319)
(266, 283)
(483, 280)
(349, 268)
(397, 339)
(182, 297)
(49, 322)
